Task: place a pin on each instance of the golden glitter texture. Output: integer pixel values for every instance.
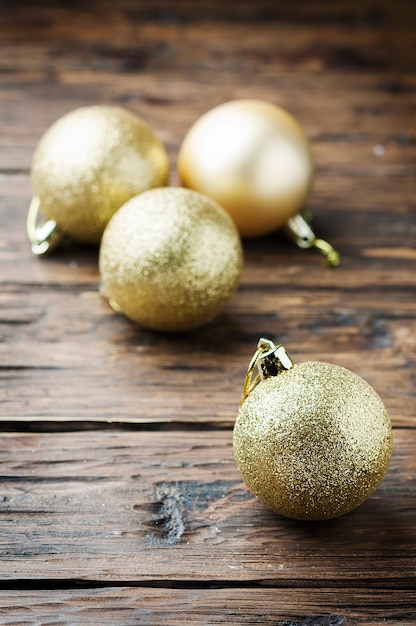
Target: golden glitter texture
(313, 442)
(170, 259)
(90, 162)
(253, 158)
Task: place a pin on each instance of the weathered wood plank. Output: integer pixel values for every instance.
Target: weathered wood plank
(65, 354)
(129, 606)
(368, 114)
(91, 22)
(377, 247)
(143, 506)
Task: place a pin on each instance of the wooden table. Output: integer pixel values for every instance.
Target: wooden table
(120, 501)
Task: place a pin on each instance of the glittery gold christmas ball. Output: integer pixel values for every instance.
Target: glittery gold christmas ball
(170, 259)
(253, 158)
(90, 162)
(313, 442)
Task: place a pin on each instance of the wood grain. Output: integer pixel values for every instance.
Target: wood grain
(120, 502)
(235, 605)
(170, 506)
(57, 340)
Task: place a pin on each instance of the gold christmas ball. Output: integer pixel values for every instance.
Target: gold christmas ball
(253, 158)
(90, 162)
(170, 259)
(313, 442)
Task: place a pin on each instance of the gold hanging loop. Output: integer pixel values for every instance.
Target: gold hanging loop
(298, 228)
(270, 360)
(43, 237)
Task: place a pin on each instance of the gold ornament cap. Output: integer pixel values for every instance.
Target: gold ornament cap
(87, 164)
(170, 259)
(312, 440)
(254, 159)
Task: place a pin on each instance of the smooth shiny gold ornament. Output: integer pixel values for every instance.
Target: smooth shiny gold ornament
(254, 159)
(170, 259)
(313, 440)
(86, 165)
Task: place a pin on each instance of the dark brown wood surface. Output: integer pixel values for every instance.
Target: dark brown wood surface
(120, 502)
